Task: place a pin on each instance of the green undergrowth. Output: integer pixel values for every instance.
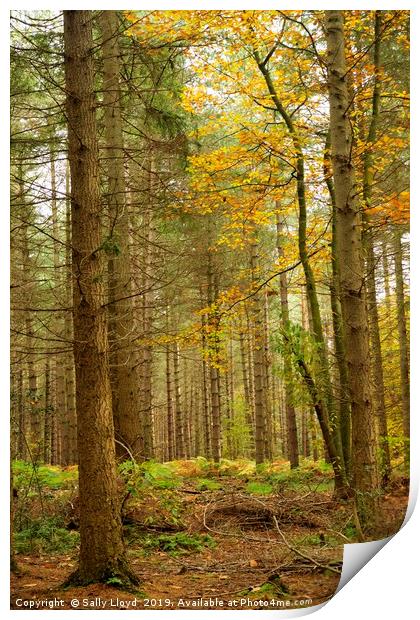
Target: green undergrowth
(175, 544)
(34, 478)
(46, 535)
(309, 476)
(149, 474)
(259, 488)
(207, 484)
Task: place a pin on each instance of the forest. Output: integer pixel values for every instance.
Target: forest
(209, 231)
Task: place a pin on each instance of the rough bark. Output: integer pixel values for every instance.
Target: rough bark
(102, 554)
(352, 285)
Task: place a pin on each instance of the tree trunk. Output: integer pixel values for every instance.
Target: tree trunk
(169, 399)
(21, 446)
(372, 306)
(258, 350)
(292, 437)
(124, 377)
(245, 380)
(385, 269)
(147, 315)
(68, 331)
(47, 413)
(403, 342)
(327, 409)
(365, 474)
(268, 428)
(344, 422)
(179, 426)
(60, 407)
(205, 389)
(213, 324)
(102, 553)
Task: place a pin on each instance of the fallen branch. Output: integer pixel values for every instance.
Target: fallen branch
(303, 555)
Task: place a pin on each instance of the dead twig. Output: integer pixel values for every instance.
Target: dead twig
(303, 555)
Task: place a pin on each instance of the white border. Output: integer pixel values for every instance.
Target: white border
(386, 587)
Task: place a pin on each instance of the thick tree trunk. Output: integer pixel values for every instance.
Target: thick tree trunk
(365, 474)
(124, 364)
(102, 553)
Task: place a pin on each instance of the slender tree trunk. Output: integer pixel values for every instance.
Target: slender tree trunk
(198, 437)
(102, 553)
(245, 380)
(213, 323)
(344, 423)
(32, 396)
(385, 268)
(330, 423)
(403, 344)
(68, 332)
(258, 351)
(47, 413)
(365, 474)
(268, 433)
(124, 364)
(292, 438)
(60, 406)
(179, 422)
(205, 390)
(314, 438)
(306, 446)
(147, 313)
(250, 363)
(372, 306)
(169, 398)
(21, 446)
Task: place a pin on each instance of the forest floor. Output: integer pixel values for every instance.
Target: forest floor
(198, 536)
